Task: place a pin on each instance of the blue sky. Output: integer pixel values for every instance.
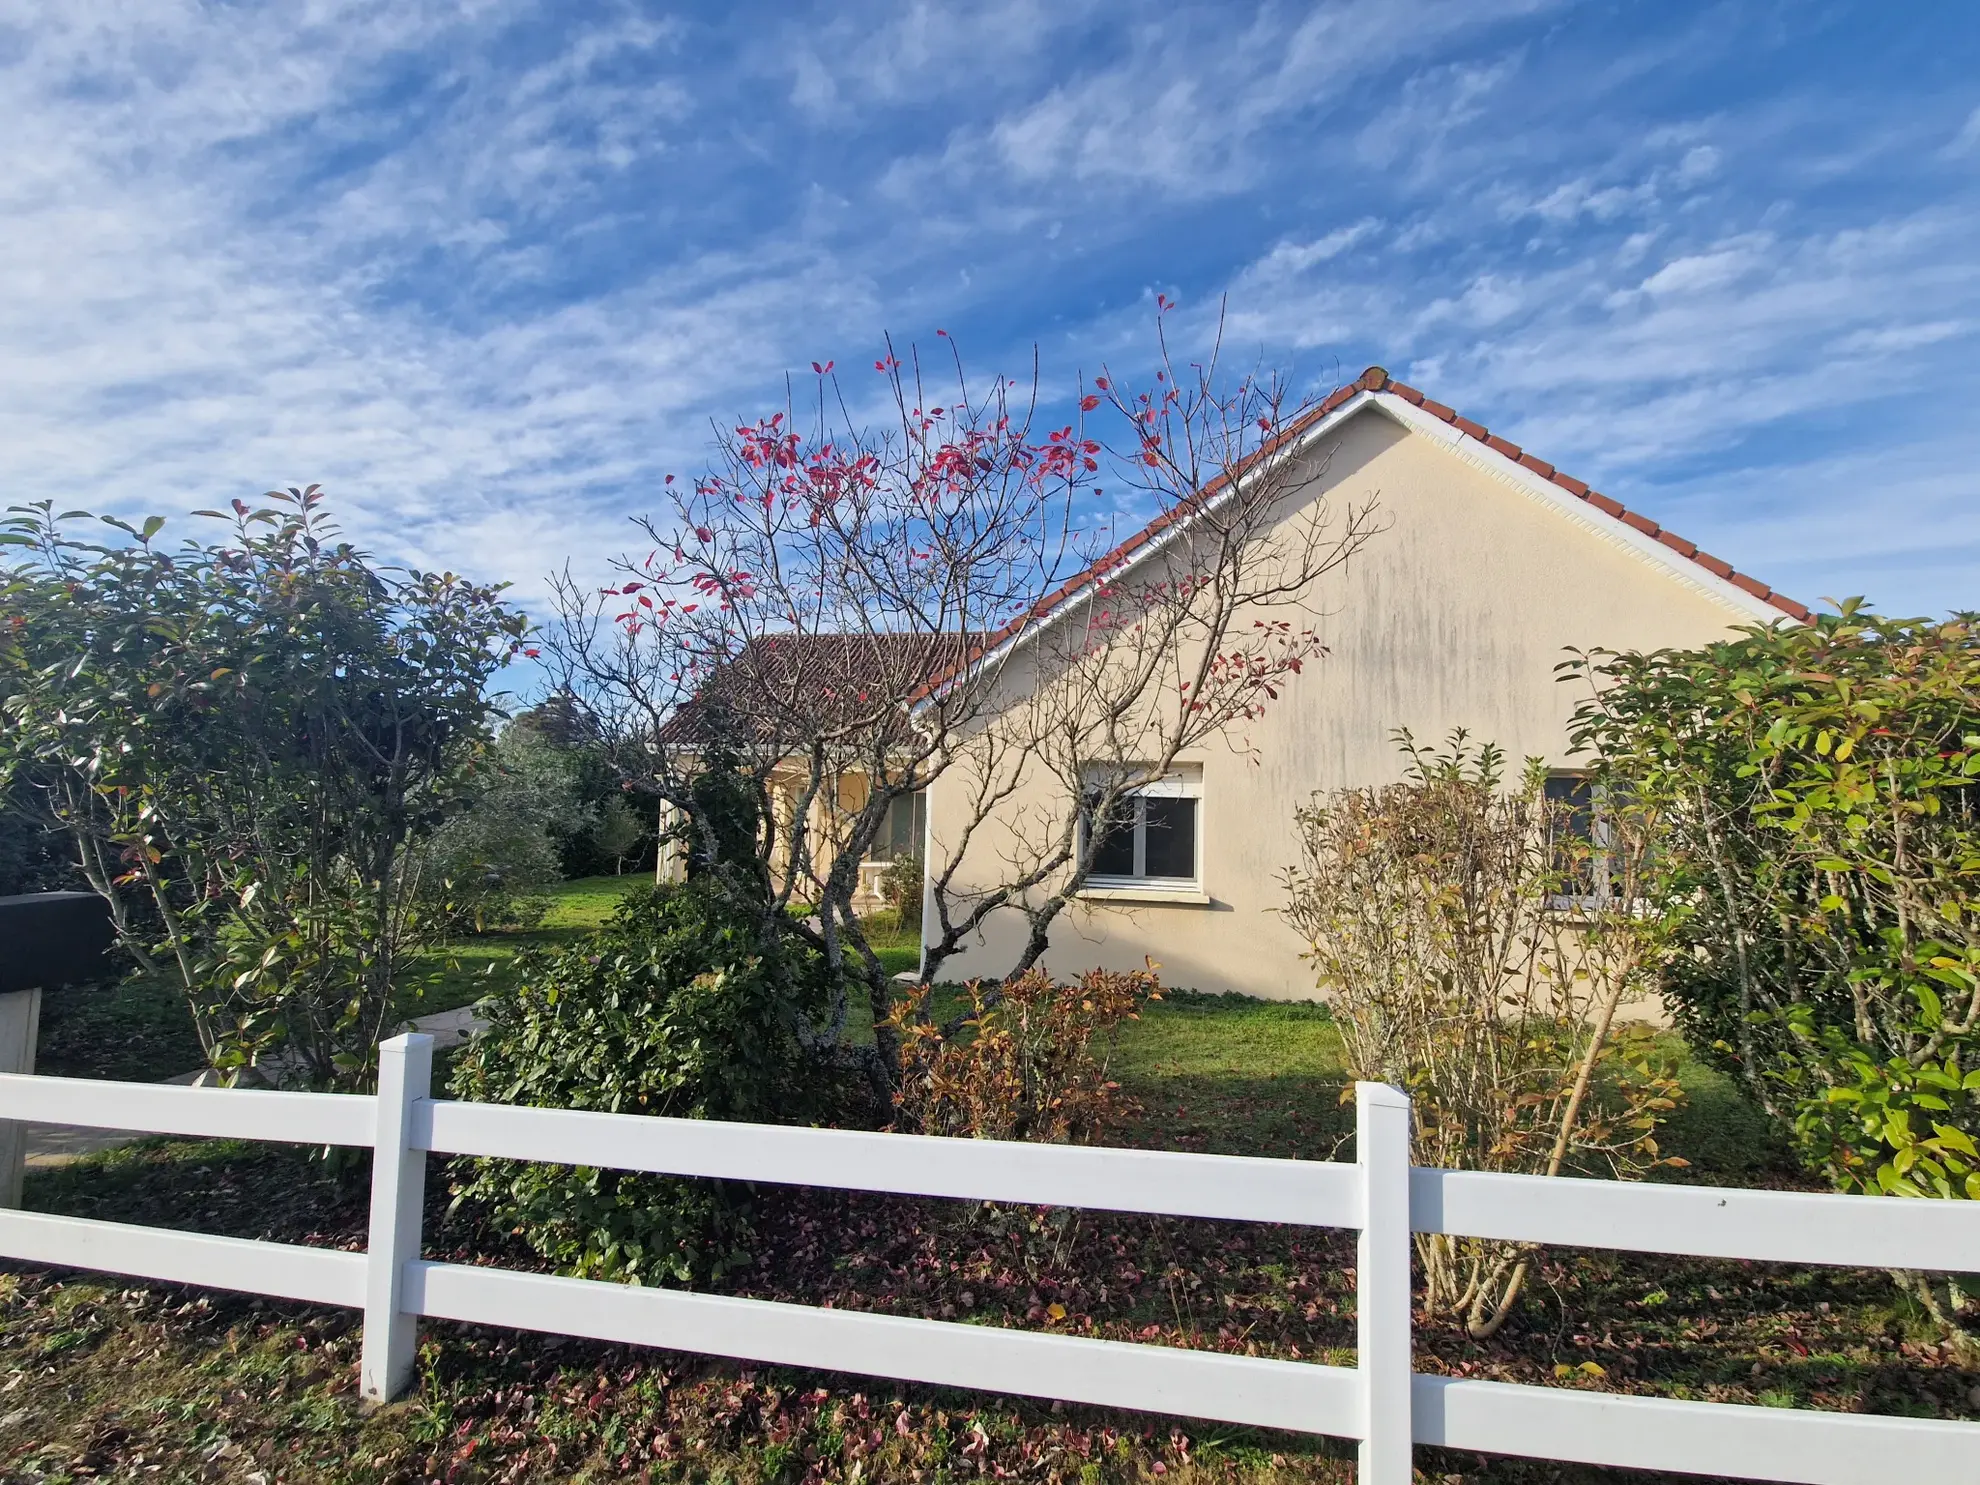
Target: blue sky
(488, 270)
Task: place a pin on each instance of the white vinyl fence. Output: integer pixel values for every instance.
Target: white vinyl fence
(1378, 1401)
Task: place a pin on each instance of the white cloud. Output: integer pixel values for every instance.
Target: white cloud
(1896, 339)
(1967, 137)
(487, 270)
(1191, 110)
(1289, 258)
(1700, 163)
(1577, 198)
(1698, 273)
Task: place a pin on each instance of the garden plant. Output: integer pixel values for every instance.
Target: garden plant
(1819, 862)
(246, 740)
(1475, 950)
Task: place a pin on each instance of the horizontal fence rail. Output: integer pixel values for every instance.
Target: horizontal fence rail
(1377, 1402)
(322, 1276)
(1237, 1188)
(1116, 1374)
(206, 1113)
(1699, 1221)
(1657, 1433)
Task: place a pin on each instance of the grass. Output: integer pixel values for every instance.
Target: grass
(139, 1030)
(136, 1031)
(463, 971)
(1231, 1076)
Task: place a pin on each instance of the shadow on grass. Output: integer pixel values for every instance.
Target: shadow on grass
(135, 1030)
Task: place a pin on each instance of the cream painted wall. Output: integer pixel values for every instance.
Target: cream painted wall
(1456, 615)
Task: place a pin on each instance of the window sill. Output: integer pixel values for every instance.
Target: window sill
(1587, 906)
(1182, 895)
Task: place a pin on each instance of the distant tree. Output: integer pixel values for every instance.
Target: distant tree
(561, 722)
(618, 830)
(481, 866)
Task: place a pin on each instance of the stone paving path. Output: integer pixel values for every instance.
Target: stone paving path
(59, 1144)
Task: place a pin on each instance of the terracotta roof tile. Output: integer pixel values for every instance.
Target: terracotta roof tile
(1602, 503)
(1677, 543)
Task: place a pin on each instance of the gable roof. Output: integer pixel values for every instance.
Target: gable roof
(836, 673)
(1374, 383)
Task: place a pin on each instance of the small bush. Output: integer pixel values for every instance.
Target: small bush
(677, 1008)
(1026, 1069)
(1450, 921)
(900, 885)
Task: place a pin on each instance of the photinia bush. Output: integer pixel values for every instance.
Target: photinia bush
(246, 740)
(1820, 790)
(1021, 1064)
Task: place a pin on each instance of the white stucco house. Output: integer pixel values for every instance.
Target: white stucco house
(1493, 564)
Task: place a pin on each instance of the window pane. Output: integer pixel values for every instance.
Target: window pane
(1115, 857)
(1571, 828)
(900, 827)
(1170, 849)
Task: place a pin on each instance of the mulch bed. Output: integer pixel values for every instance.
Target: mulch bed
(99, 1378)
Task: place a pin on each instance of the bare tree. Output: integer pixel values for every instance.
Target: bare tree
(839, 617)
(794, 607)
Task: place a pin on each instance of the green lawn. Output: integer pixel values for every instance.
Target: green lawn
(482, 964)
(1231, 1076)
(139, 1030)
(1213, 1073)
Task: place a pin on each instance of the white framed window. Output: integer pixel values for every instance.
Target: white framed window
(1580, 837)
(1154, 839)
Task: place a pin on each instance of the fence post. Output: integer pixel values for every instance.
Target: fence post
(398, 1196)
(1382, 1284)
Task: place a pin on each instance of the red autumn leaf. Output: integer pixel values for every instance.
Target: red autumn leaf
(1087, 404)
